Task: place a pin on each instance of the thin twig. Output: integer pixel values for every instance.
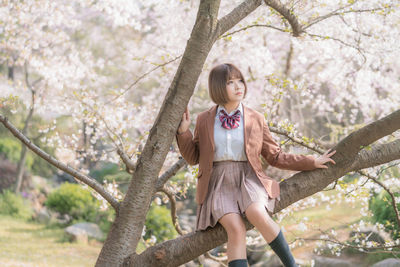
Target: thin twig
(140, 78)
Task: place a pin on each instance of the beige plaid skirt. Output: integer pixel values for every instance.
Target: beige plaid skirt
(233, 187)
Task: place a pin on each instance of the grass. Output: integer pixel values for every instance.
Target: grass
(25, 243)
(31, 244)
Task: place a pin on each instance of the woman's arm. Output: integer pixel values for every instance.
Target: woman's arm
(189, 146)
(277, 158)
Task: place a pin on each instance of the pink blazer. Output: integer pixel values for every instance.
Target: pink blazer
(258, 141)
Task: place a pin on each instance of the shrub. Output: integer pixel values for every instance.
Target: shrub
(159, 224)
(11, 148)
(382, 209)
(74, 200)
(15, 205)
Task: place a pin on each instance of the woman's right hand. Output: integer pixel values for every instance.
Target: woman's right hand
(185, 122)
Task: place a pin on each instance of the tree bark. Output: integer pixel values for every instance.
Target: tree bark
(21, 162)
(126, 230)
(309, 183)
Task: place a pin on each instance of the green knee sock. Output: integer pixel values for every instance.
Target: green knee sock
(238, 263)
(281, 248)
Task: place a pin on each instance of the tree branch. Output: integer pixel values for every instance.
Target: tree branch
(348, 245)
(78, 175)
(140, 78)
(188, 247)
(287, 14)
(169, 173)
(337, 13)
(130, 164)
(236, 15)
(297, 140)
(306, 183)
(377, 155)
(174, 217)
(251, 26)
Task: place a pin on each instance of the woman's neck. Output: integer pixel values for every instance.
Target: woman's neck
(231, 106)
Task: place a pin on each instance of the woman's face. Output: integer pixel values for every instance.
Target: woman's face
(235, 89)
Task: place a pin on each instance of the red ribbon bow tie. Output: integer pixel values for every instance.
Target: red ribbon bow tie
(229, 122)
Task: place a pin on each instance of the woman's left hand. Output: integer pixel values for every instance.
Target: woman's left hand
(321, 160)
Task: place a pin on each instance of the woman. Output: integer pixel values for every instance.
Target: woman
(228, 140)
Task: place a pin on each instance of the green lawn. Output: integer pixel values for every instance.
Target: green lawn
(32, 244)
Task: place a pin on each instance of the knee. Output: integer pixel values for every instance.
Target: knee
(235, 228)
(256, 209)
(237, 231)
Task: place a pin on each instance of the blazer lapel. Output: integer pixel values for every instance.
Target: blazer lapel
(212, 112)
(247, 124)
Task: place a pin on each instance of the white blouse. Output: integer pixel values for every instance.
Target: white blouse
(229, 143)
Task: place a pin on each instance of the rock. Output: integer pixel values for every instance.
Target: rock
(269, 259)
(64, 219)
(43, 216)
(193, 220)
(191, 264)
(210, 263)
(37, 201)
(206, 262)
(371, 234)
(186, 212)
(41, 198)
(331, 262)
(90, 229)
(43, 185)
(187, 223)
(76, 234)
(217, 250)
(253, 233)
(256, 252)
(388, 263)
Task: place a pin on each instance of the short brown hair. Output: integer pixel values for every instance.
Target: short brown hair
(217, 80)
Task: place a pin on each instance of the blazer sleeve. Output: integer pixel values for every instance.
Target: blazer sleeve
(189, 146)
(272, 153)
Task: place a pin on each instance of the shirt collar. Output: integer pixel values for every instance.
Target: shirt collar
(240, 107)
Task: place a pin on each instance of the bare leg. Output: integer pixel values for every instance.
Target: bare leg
(259, 217)
(236, 230)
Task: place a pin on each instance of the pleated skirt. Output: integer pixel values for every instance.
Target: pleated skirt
(232, 188)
